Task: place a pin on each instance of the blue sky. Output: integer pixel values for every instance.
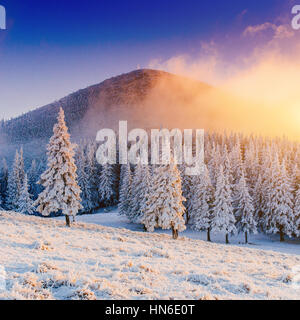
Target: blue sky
(52, 48)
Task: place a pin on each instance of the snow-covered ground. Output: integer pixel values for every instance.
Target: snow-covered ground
(111, 218)
(45, 260)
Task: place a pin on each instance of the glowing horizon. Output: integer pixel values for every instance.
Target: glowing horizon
(249, 51)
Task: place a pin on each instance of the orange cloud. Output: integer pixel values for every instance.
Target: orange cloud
(280, 31)
(267, 76)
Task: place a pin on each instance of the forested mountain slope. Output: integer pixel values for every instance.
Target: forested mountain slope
(145, 98)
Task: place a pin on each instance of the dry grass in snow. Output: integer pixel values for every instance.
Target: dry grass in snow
(45, 260)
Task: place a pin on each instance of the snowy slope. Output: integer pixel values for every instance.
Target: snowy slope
(110, 217)
(45, 260)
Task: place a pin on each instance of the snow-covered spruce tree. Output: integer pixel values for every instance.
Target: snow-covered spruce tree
(236, 162)
(25, 203)
(61, 192)
(228, 168)
(297, 212)
(234, 176)
(83, 182)
(3, 182)
(214, 163)
(223, 219)
(294, 173)
(164, 207)
(123, 169)
(125, 191)
(147, 182)
(280, 218)
(93, 174)
(41, 167)
(150, 210)
(257, 197)
(14, 185)
(244, 211)
(267, 173)
(187, 192)
(202, 203)
(21, 167)
(295, 176)
(141, 191)
(135, 204)
(251, 166)
(108, 185)
(32, 180)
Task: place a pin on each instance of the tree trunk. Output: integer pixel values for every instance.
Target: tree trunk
(246, 237)
(227, 239)
(281, 235)
(208, 235)
(73, 218)
(145, 229)
(174, 233)
(68, 221)
(187, 218)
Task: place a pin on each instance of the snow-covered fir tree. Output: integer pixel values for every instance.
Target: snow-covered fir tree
(295, 176)
(141, 187)
(41, 167)
(297, 212)
(108, 185)
(267, 172)
(146, 188)
(83, 182)
(258, 201)
(25, 203)
(236, 162)
(223, 219)
(228, 167)
(93, 172)
(202, 203)
(14, 184)
(164, 208)
(251, 165)
(3, 182)
(32, 180)
(21, 166)
(214, 163)
(125, 191)
(61, 193)
(294, 173)
(136, 188)
(187, 192)
(245, 211)
(280, 218)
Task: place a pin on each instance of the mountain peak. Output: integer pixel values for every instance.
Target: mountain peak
(146, 98)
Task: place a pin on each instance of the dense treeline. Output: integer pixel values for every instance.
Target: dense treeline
(39, 123)
(249, 184)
